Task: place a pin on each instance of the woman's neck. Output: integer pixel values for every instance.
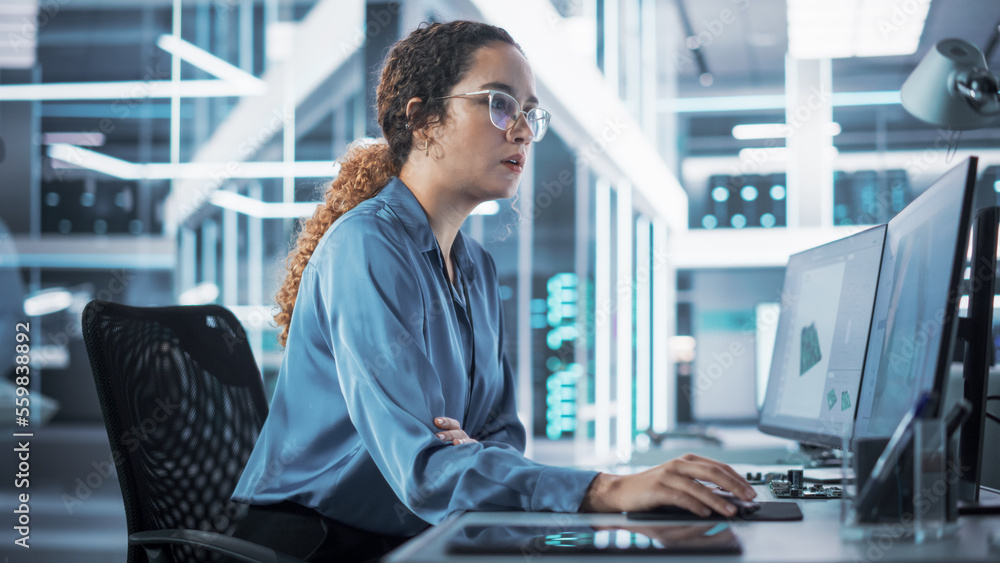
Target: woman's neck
(445, 212)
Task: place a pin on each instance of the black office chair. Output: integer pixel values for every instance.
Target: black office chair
(183, 403)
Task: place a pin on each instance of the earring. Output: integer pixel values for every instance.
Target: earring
(427, 145)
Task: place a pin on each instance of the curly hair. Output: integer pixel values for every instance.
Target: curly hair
(426, 64)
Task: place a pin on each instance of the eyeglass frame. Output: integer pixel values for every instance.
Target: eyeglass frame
(548, 116)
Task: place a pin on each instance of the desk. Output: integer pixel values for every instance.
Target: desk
(815, 539)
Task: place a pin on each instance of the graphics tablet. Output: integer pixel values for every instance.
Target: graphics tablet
(554, 540)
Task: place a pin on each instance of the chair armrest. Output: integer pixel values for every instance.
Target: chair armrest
(153, 541)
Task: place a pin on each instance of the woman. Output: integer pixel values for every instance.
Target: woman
(397, 331)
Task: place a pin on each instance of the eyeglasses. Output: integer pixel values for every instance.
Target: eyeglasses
(505, 111)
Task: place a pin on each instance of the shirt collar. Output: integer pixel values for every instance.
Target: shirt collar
(398, 197)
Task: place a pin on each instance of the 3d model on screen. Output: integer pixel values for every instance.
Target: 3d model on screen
(810, 353)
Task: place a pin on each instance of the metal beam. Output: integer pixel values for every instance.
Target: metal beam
(587, 115)
(329, 35)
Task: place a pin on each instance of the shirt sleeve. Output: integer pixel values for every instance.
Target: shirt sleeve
(504, 430)
(392, 390)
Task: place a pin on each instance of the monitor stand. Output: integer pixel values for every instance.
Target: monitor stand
(819, 456)
(988, 503)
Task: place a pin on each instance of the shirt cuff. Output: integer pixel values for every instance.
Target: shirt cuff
(560, 489)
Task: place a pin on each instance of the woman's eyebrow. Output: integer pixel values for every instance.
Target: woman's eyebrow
(506, 88)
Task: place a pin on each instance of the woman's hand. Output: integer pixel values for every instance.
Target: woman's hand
(451, 431)
(670, 483)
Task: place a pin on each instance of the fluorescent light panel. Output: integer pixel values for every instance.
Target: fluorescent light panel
(963, 302)
(663, 301)
(708, 104)
(602, 324)
(78, 157)
(775, 154)
(207, 61)
(771, 130)
(643, 327)
(231, 81)
(855, 28)
(200, 294)
(92, 139)
(47, 301)
(624, 334)
(256, 208)
(128, 90)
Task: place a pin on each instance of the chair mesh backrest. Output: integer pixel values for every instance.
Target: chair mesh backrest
(183, 404)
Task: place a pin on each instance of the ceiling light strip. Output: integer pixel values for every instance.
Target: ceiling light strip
(84, 158)
(207, 61)
(264, 210)
(769, 102)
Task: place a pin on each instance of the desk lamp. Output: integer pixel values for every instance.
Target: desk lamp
(952, 87)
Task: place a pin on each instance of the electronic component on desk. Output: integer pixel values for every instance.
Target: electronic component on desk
(792, 486)
(795, 478)
(760, 478)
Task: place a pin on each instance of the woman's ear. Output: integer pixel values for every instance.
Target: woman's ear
(414, 108)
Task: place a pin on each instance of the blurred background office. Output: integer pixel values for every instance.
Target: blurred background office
(160, 152)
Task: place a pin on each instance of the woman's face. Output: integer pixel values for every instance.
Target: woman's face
(471, 154)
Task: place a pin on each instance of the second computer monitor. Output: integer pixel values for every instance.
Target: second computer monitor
(915, 314)
(819, 351)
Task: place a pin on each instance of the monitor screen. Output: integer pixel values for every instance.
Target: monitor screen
(913, 328)
(819, 349)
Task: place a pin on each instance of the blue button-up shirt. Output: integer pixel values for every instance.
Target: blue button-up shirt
(380, 343)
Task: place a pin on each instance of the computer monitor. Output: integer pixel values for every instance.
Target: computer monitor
(916, 305)
(819, 351)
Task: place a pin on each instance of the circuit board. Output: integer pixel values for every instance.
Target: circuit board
(791, 485)
(784, 489)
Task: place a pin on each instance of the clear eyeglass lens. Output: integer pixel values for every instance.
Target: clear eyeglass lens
(538, 120)
(504, 111)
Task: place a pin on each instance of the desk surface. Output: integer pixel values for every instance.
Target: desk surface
(815, 539)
